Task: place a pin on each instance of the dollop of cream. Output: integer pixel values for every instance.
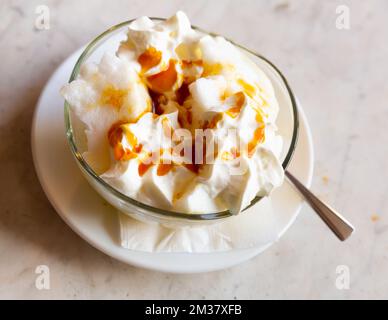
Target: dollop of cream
(166, 81)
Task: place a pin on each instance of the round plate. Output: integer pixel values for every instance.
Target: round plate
(96, 221)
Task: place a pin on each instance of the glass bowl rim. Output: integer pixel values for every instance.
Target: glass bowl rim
(151, 210)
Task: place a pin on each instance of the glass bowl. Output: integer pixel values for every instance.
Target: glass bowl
(287, 122)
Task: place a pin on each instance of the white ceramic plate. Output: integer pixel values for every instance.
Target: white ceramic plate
(96, 221)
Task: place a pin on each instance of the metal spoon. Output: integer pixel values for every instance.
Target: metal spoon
(338, 224)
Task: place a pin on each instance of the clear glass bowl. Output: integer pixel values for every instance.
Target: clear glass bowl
(287, 122)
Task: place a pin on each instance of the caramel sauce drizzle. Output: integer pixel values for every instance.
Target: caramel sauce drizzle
(164, 168)
(189, 64)
(149, 59)
(112, 96)
(249, 89)
(258, 135)
(158, 99)
(143, 168)
(212, 69)
(115, 136)
(182, 93)
(213, 122)
(240, 100)
(164, 81)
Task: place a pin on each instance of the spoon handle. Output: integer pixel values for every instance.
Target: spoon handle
(338, 224)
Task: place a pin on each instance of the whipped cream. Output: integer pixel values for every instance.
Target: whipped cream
(149, 108)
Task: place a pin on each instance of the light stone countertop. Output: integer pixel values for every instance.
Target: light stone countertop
(340, 76)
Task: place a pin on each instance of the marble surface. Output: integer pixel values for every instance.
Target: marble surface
(340, 77)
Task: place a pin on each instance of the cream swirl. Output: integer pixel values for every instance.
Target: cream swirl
(148, 110)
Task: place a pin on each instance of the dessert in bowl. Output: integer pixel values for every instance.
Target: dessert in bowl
(171, 123)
